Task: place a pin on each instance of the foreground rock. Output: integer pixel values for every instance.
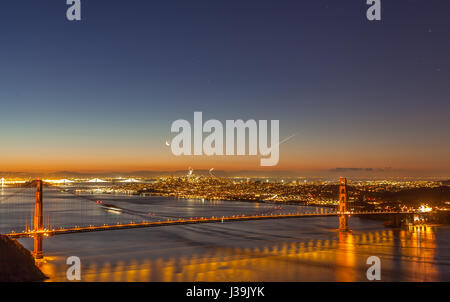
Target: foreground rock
(17, 263)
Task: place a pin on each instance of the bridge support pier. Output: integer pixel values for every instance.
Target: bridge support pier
(38, 221)
(343, 197)
(38, 254)
(395, 221)
(343, 223)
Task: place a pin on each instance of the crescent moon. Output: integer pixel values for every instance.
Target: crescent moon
(167, 144)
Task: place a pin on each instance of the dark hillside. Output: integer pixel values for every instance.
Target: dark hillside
(17, 263)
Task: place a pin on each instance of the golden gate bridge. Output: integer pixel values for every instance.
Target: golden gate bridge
(38, 230)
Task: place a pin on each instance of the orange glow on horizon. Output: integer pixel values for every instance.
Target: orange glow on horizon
(129, 161)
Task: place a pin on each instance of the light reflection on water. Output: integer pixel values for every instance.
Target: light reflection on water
(340, 259)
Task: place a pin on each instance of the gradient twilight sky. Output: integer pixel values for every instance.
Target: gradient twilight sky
(101, 94)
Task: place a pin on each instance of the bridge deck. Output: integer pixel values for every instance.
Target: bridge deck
(189, 221)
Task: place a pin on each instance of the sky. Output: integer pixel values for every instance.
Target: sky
(100, 94)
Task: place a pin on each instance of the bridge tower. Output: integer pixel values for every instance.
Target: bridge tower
(38, 221)
(343, 198)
